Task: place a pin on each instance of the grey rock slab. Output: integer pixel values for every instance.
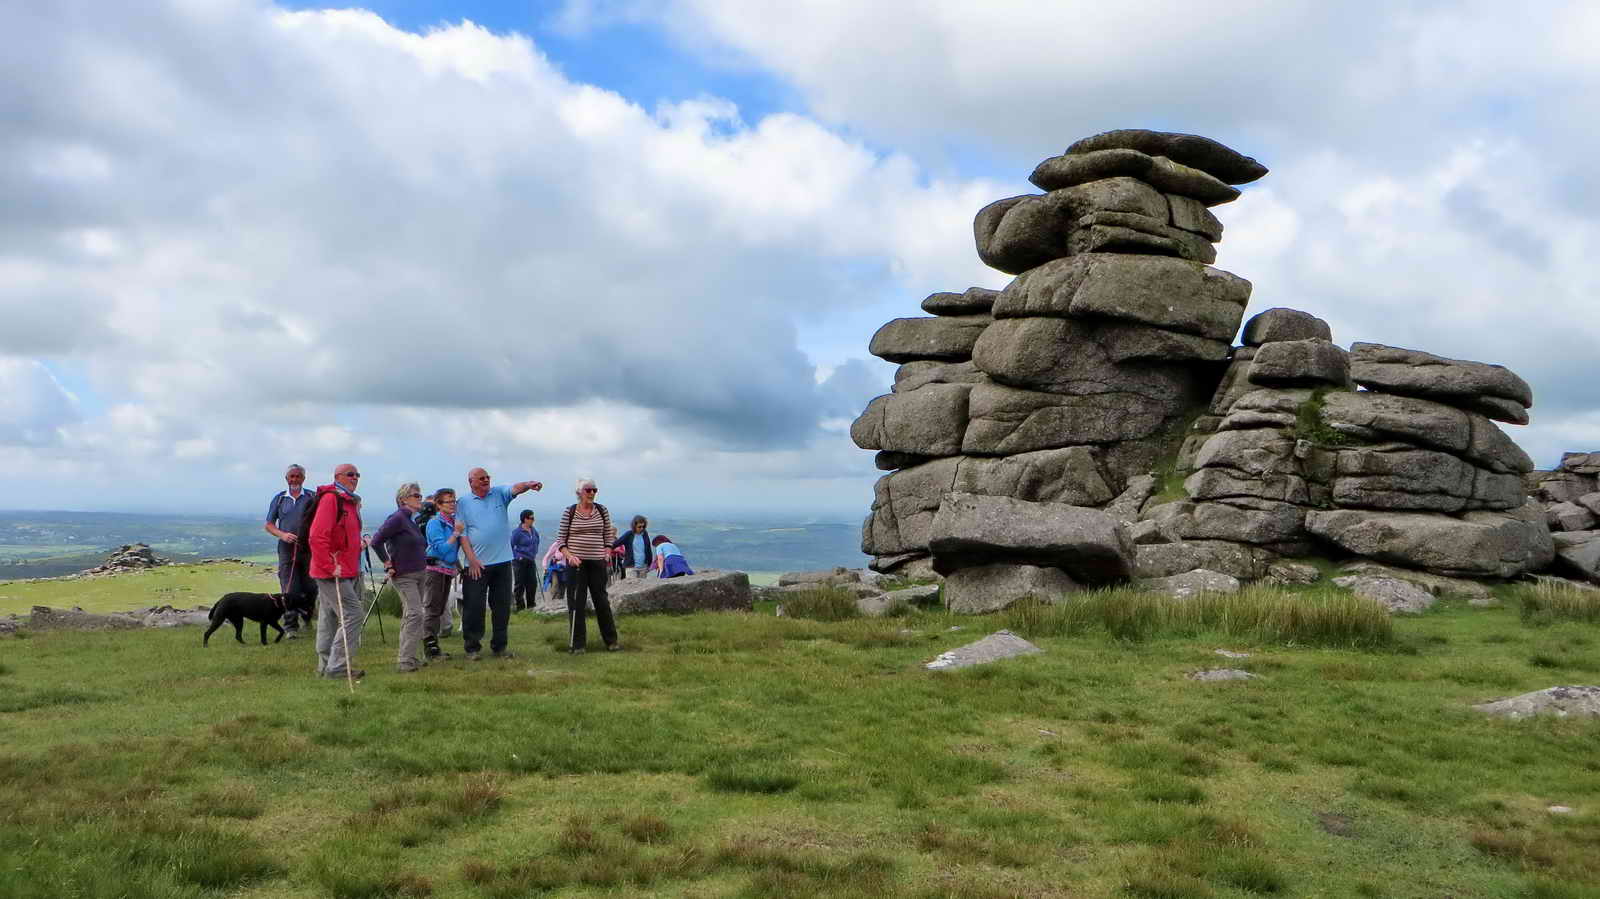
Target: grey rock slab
(1160, 291)
(1378, 415)
(1454, 381)
(1569, 517)
(1437, 584)
(826, 577)
(45, 618)
(1238, 521)
(1093, 234)
(1573, 538)
(928, 421)
(944, 338)
(915, 594)
(1477, 544)
(1004, 420)
(1402, 479)
(1160, 560)
(1289, 363)
(911, 375)
(903, 507)
(998, 645)
(1032, 230)
(1590, 501)
(1127, 505)
(989, 588)
(971, 530)
(1265, 408)
(1230, 654)
(1289, 572)
(1564, 486)
(1222, 674)
(1396, 595)
(1190, 584)
(1227, 483)
(1581, 463)
(704, 591)
(1580, 559)
(1192, 150)
(1192, 215)
(1234, 384)
(1258, 451)
(1068, 475)
(1058, 355)
(1280, 323)
(972, 301)
(1071, 170)
(1561, 702)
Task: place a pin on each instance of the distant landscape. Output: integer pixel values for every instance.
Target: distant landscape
(50, 544)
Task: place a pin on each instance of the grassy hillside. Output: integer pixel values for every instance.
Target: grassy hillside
(183, 586)
(752, 755)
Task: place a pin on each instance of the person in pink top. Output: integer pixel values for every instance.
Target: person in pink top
(335, 540)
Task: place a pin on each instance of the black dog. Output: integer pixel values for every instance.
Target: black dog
(266, 608)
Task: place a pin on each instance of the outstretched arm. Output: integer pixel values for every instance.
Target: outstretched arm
(522, 487)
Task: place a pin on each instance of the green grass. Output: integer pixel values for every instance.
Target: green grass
(1548, 601)
(749, 755)
(1322, 616)
(182, 586)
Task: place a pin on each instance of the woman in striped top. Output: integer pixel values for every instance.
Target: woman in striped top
(586, 548)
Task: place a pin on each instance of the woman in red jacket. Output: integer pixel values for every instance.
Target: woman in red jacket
(335, 540)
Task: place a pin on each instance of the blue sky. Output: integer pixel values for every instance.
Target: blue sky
(648, 242)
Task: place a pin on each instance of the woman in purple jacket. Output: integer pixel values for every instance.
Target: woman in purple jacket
(404, 552)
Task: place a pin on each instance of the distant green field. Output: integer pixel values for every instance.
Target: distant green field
(184, 586)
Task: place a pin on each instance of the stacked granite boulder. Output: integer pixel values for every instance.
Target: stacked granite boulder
(1017, 416)
(1410, 470)
(1570, 498)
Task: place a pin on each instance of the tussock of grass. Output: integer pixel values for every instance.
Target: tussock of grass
(1546, 602)
(1262, 614)
(822, 604)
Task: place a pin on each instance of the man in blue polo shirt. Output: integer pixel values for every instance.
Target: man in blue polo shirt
(283, 519)
(486, 545)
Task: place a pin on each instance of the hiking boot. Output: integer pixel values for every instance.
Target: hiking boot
(474, 657)
(357, 674)
(408, 669)
(614, 647)
(505, 654)
(576, 650)
(430, 648)
(292, 635)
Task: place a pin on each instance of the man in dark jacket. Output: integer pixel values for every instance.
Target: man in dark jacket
(283, 520)
(525, 561)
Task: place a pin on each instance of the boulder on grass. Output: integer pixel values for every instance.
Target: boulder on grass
(704, 591)
(998, 645)
(990, 588)
(971, 530)
(1476, 544)
(1578, 701)
(1396, 595)
(1190, 584)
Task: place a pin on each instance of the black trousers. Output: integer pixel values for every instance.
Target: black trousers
(494, 588)
(526, 592)
(589, 582)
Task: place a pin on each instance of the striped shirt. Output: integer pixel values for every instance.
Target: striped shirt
(586, 537)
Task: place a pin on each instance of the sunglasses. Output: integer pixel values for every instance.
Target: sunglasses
(591, 490)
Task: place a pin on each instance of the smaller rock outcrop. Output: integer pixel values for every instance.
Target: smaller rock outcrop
(703, 591)
(129, 557)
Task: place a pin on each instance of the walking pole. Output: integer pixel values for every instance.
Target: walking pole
(344, 632)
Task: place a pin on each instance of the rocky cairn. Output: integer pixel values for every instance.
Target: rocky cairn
(1026, 426)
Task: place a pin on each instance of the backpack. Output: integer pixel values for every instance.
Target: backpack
(302, 537)
(425, 515)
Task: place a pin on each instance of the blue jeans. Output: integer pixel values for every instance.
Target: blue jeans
(493, 588)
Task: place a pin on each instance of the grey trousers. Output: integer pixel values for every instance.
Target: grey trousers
(435, 602)
(334, 594)
(409, 586)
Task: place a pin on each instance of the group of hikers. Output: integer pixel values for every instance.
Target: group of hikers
(428, 544)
